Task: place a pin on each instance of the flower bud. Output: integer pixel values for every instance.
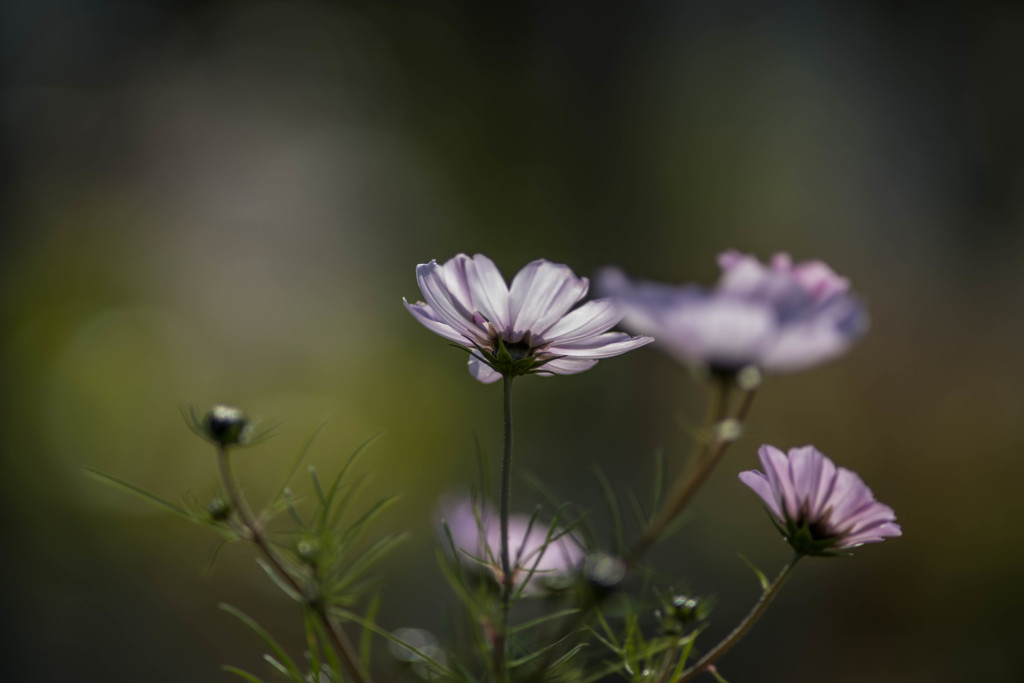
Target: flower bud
(678, 611)
(308, 550)
(218, 509)
(225, 425)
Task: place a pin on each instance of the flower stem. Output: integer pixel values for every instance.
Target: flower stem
(741, 630)
(505, 503)
(255, 529)
(709, 449)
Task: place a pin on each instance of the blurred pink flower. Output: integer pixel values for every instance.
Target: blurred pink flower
(478, 535)
(820, 508)
(526, 328)
(779, 317)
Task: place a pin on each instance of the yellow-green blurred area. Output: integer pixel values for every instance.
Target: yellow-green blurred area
(225, 202)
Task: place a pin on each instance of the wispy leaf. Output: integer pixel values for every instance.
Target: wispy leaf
(275, 647)
(142, 493)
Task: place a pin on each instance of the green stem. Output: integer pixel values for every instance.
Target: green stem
(505, 503)
(682, 492)
(255, 529)
(741, 630)
(707, 453)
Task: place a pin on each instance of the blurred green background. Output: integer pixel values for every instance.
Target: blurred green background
(225, 202)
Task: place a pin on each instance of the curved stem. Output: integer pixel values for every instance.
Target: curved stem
(707, 454)
(741, 630)
(505, 503)
(255, 529)
(682, 492)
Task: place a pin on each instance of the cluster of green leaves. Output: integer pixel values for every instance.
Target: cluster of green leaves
(325, 554)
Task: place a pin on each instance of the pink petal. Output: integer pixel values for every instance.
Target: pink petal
(805, 467)
(763, 488)
(776, 467)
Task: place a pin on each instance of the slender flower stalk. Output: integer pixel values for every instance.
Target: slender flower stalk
(716, 436)
(255, 529)
(741, 630)
(533, 326)
(500, 654)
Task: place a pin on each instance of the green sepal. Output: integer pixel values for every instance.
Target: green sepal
(800, 537)
(504, 362)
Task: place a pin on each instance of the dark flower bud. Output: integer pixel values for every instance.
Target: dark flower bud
(225, 425)
(680, 610)
(684, 608)
(218, 509)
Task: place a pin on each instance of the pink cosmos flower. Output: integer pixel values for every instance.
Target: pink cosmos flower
(532, 326)
(820, 508)
(478, 536)
(779, 317)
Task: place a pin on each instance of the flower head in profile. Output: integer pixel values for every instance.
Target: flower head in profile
(821, 509)
(531, 326)
(779, 317)
(538, 552)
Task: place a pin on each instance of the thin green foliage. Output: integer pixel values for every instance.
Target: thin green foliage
(761, 577)
(242, 673)
(142, 493)
(278, 651)
(614, 511)
(366, 637)
(432, 663)
(297, 462)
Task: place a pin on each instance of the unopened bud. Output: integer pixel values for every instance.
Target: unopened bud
(728, 430)
(308, 550)
(225, 425)
(749, 378)
(218, 509)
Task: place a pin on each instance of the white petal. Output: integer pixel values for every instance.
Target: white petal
(446, 306)
(541, 293)
(718, 330)
(568, 366)
(826, 333)
(481, 371)
(453, 274)
(593, 317)
(425, 314)
(602, 346)
(488, 290)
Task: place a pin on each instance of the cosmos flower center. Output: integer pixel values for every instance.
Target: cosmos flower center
(520, 349)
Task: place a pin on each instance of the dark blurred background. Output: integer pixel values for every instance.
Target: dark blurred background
(225, 202)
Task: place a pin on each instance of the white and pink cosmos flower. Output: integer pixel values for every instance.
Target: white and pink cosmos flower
(820, 508)
(537, 552)
(532, 326)
(779, 316)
